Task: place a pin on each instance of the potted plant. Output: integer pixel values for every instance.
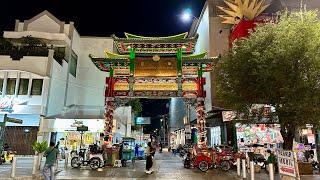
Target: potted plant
(39, 148)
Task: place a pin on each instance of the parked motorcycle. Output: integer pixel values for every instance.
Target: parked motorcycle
(93, 158)
(222, 159)
(258, 159)
(7, 156)
(315, 164)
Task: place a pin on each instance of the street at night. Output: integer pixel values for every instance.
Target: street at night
(160, 89)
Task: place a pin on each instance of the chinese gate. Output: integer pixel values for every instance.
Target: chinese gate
(155, 67)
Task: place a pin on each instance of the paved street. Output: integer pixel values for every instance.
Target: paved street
(167, 167)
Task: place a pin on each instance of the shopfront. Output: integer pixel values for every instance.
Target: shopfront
(65, 131)
(258, 137)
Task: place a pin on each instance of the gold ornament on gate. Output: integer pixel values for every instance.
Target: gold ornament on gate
(156, 58)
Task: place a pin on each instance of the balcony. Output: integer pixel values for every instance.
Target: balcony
(30, 47)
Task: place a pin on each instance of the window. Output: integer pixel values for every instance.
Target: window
(36, 88)
(73, 64)
(11, 84)
(1, 85)
(23, 86)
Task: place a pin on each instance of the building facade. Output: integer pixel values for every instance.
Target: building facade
(47, 78)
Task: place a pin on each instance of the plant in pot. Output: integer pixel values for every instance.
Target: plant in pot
(39, 148)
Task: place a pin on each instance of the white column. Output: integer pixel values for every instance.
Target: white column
(252, 170)
(271, 172)
(13, 167)
(238, 167)
(16, 89)
(35, 163)
(244, 171)
(5, 80)
(29, 85)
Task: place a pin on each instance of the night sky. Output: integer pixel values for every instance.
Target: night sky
(106, 17)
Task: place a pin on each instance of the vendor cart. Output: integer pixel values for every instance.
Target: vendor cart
(128, 150)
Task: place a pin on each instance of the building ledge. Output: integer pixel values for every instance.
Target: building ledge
(59, 38)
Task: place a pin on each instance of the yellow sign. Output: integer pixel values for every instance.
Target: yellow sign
(155, 87)
(147, 67)
(189, 86)
(121, 86)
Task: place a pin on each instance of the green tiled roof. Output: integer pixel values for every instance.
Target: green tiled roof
(175, 37)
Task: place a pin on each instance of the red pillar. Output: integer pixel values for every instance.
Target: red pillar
(109, 105)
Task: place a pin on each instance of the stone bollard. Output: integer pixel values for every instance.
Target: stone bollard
(66, 160)
(35, 164)
(13, 167)
(271, 172)
(252, 170)
(244, 170)
(238, 167)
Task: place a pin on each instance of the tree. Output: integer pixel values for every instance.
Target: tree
(136, 105)
(279, 65)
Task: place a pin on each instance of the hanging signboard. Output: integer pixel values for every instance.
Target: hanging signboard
(228, 115)
(286, 163)
(82, 128)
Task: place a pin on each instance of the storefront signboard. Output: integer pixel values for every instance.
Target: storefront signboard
(228, 115)
(286, 163)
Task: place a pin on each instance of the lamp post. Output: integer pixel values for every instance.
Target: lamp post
(186, 16)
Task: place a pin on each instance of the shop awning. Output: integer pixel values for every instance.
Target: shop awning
(80, 112)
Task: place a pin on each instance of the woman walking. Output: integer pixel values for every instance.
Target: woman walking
(149, 158)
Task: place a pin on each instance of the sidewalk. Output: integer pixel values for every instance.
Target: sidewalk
(265, 176)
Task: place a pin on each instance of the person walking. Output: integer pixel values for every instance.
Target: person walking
(51, 155)
(136, 150)
(149, 158)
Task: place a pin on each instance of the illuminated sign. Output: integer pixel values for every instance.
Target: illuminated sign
(143, 120)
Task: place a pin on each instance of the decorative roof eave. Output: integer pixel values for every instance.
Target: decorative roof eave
(155, 39)
(200, 60)
(178, 36)
(194, 56)
(110, 55)
(103, 64)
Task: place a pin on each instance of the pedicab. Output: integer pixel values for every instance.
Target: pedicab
(200, 159)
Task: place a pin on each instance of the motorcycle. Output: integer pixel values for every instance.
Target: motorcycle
(258, 159)
(223, 159)
(315, 164)
(93, 158)
(7, 156)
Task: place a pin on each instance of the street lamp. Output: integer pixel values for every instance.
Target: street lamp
(186, 15)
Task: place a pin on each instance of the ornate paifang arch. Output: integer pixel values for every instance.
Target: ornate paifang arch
(155, 67)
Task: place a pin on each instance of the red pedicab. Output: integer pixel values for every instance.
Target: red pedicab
(198, 158)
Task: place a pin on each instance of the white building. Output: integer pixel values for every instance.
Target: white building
(214, 39)
(48, 92)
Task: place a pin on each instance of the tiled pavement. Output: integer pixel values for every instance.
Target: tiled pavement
(167, 167)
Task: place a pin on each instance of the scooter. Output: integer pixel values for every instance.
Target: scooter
(7, 156)
(93, 158)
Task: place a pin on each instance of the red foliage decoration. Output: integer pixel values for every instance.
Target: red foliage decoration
(241, 30)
